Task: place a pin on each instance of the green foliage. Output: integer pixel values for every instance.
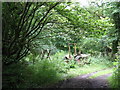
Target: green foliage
(105, 61)
(24, 22)
(66, 23)
(115, 79)
(15, 75)
(33, 76)
(29, 28)
(95, 65)
(61, 65)
(46, 72)
(107, 71)
(42, 73)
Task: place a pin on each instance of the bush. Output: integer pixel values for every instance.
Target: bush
(115, 79)
(105, 61)
(15, 75)
(40, 74)
(37, 75)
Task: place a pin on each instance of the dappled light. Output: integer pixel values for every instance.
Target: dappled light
(61, 44)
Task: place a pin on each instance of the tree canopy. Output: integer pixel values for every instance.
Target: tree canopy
(28, 23)
(30, 29)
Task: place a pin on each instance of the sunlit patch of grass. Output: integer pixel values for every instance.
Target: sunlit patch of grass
(101, 73)
(85, 69)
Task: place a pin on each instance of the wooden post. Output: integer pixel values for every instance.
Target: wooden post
(69, 49)
(79, 52)
(75, 48)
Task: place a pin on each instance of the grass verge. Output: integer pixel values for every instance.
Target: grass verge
(101, 73)
(85, 70)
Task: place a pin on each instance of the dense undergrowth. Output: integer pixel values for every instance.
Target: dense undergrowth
(115, 78)
(47, 72)
(46, 27)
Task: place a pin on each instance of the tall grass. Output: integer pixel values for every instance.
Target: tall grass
(96, 64)
(103, 61)
(114, 80)
(40, 74)
(46, 72)
(33, 76)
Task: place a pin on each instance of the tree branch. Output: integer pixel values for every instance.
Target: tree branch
(45, 15)
(17, 32)
(38, 26)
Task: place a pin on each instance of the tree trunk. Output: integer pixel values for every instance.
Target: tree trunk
(116, 17)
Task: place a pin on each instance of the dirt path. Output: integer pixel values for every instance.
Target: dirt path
(100, 82)
(82, 81)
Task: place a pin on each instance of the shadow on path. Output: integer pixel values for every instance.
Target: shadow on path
(82, 81)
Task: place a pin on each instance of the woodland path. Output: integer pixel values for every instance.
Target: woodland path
(83, 81)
